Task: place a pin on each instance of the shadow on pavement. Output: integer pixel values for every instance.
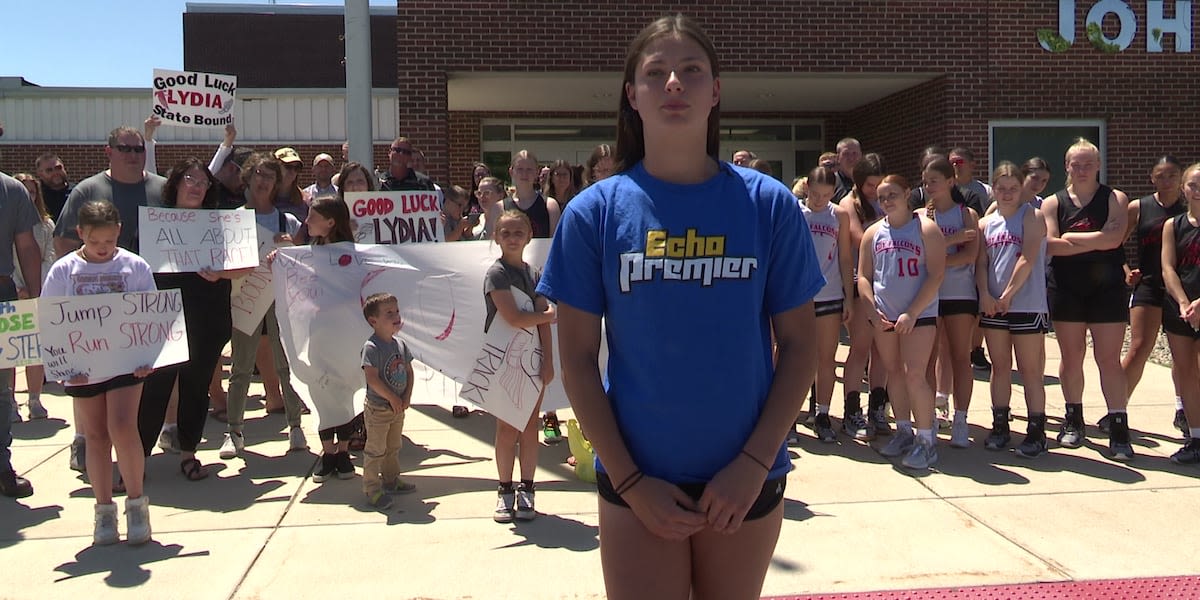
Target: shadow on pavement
(555, 532)
(40, 429)
(124, 564)
(21, 517)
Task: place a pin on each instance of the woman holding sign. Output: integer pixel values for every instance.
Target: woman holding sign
(205, 296)
(109, 408)
(715, 258)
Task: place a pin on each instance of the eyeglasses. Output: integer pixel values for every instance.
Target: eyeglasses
(404, 151)
(193, 181)
(126, 148)
(958, 162)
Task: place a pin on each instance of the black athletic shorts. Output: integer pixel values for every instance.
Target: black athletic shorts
(828, 308)
(948, 308)
(921, 322)
(1148, 294)
(1017, 323)
(1171, 323)
(770, 496)
(95, 389)
(1089, 293)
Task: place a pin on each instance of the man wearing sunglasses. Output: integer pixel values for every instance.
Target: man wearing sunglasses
(401, 176)
(125, 183)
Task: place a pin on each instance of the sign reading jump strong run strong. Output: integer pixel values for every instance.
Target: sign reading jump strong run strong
(191, 99)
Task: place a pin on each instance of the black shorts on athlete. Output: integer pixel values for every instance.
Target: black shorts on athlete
(768, 498)
(1148, 294)
(948, 308)
(1090, 293)
(1017, 323)
(1173, 324)
(831, 307)
(95, 389)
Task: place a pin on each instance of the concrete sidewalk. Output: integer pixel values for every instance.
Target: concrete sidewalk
(261, 528)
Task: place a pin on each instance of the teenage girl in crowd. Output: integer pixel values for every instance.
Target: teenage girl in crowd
(43, 234)
(1035, 176)
(599, 164)
(478, 172)
(109, 408)
(1011, 278)
(543, 214)
(958, 305)
(209, 324)
(701, 523)
(901, 264)
(489, 195)
(509, 272)
(864, 212)
(1146, 218)
(561, 184)
(1085, 226)
(1181, 312)
(329, 223)
(830, 228)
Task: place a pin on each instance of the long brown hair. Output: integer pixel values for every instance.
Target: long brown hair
(332, 207)
(941, 166)
(170, 191)
(871, 165)
(631, 141)
(38, 202)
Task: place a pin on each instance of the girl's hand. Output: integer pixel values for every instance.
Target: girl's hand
(271, 257)
(987, 305)
(406, 402)
(1133, 277)
(283, 238)
(78, 379)
(550, 314)
(664, 509)
(847, 312)
(209, 275)
(1003, 303)
(962, 236)
(143, 371)
(729, 496)
(22, 293)
(882, 323)
(904, 324)
(230, 135)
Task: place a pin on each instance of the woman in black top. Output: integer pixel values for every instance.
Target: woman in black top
(1181, 313)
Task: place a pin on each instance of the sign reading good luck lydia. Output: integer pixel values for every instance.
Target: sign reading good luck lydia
(191, 99)
(180, 240)
(19, 334)
(395, 217)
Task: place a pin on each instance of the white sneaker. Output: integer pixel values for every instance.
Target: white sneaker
(36, 410)
(137, 520)
(900, 443)
(960, 435)
(296, 441)
(78, 459)
(105, 530)
(168, 440)
(233, 445)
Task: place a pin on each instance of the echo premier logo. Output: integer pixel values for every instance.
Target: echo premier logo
(688, 257)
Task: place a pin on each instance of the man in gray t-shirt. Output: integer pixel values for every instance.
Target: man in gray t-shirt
(17, 219)
(126, 184)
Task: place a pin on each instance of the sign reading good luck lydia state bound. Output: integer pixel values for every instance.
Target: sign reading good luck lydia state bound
(180, 240)
(191, 99)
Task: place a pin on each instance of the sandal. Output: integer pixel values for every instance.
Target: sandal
(220, 415)
(192, 469)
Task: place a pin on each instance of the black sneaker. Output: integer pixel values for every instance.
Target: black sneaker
(856, 426)
(1181, 423)
(326, 469)
(1119, 446)
(1034, 444)
(824, 428)
(343, 465)
(979, 360)
(877, 412)
(1189, 454)
(1072, 434)
(14, 486)
(1105, 424)
(998, 438)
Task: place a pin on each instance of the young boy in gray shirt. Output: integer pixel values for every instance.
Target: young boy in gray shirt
(387, 365)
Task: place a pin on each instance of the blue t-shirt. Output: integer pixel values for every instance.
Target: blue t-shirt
(686, 277)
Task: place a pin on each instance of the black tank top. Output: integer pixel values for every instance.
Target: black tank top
(539, 215)
(1187, 255)
(1089, 218)
(1151, 218)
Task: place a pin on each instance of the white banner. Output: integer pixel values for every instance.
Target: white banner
(440, 291)
(19, 334)
(395, 217)
(506, 378)
(180, 240)
(191, 99)
(105, 335)
(252, 295)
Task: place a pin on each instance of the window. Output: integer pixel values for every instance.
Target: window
(1018, 141)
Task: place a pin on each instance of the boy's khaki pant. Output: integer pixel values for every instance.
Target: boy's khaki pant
(381, 456)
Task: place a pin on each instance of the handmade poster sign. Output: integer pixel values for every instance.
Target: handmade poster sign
(505, 379)
(192, 99)
(179, 240)
(19, 334)
(105, 335)
(252, 295)
(395, 217)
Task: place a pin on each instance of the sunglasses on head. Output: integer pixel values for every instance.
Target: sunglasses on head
(126, 148)
(404, 151)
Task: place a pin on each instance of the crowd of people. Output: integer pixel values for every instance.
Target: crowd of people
(654, 229)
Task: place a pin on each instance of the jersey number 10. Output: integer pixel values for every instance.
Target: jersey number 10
(914, 268)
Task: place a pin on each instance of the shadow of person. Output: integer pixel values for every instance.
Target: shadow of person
(796, 510)
(39, 429)
(24, 517)
(124, 564)
(555, 532)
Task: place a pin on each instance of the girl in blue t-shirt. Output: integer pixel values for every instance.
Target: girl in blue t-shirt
(691, 263)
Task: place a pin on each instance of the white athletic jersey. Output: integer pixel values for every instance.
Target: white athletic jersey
(900, 269)
(959, 282)
(1004, 238)
(824, 228)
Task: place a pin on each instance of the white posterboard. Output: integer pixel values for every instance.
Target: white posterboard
(396, 217)
(19, 334)
(252, 295)
(105, 335)
(180, 240)
(505, 379)
(192, 99)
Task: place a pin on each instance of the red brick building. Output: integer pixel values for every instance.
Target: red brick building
(479, 80)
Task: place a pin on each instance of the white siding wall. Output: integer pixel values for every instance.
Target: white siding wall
(72, 115)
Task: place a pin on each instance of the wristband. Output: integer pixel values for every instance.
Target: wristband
(636, 478)
(625, 483)
(756, 461)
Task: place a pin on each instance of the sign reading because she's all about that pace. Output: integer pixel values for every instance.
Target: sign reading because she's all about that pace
(179, 240)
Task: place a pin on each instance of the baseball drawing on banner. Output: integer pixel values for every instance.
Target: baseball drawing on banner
(192, 99)
(19, 334)
(395, 217)
(178, 240)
